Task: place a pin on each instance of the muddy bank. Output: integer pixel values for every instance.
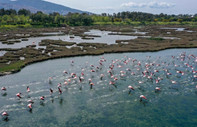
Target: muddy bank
(23, 34)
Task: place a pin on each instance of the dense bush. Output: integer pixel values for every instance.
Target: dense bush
(24, 17)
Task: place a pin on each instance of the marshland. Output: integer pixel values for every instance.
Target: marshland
(97, 70)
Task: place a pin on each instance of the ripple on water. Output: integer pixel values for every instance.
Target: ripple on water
(104, 102)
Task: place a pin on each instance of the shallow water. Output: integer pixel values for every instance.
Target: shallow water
(2, 53)
(105, 38)
(104, 105)
(176, 29)
(170, 38)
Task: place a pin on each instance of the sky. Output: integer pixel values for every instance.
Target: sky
(149, 6)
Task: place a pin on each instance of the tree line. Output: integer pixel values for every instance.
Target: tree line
(23, 16)
(140, 16)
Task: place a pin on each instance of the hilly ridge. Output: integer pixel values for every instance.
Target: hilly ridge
(37, 5)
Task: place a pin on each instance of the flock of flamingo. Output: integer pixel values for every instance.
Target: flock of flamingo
(154, 72)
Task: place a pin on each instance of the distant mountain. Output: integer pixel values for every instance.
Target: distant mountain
(37, 5)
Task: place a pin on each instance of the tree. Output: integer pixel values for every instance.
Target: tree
(2, 12)
(24, 12)
(10, 12)
(180, 20)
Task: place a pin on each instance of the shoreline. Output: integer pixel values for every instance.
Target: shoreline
(16, 59)
(60, 57)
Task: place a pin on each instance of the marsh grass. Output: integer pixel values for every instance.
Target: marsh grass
(13, 66)
(58, 49)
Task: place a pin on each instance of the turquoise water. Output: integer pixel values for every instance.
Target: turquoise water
(105, 104)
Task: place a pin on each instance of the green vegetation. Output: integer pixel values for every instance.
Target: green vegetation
(13, 67)
(24, 18)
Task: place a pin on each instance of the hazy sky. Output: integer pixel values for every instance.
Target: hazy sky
(151, 6)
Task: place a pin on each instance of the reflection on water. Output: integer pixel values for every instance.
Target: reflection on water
(105, 104)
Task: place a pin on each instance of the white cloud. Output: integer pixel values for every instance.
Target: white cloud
(160, 5)
(150, 5)
(102, 9)
(132, 4)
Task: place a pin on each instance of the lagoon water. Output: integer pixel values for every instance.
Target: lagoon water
(104, 38)
(104, 105)
(2, 53)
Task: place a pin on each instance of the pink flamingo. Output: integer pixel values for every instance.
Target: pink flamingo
(130, 89)
(101, 76)
(3, 88)
(30, 101)
(42, 98)
(112, 83)
(157, 89)
(28, 90)
(19, 95)
(60, 91)
(142, 97)
(59, 85)
(5, 116)
(29, 106)
(90, 80)
(91, 85)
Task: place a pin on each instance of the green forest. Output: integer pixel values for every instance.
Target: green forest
(24, 18)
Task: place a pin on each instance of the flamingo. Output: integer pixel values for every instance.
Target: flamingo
(60, 91)
(115, 79)
(168, 74)
(156, 81)
(59, 85)
(42, 98)
(5, 116)
(29, 106)
(101, 76)
(28, 90)
(51, 91)
(30, 101)
(130, 89)
(65, 72)
(91, 85)
(90, 80)
(19, 95)
(157, 89)
(112, 83)
(82, 74)
(3, 88)
(72, 63)
(142, 97)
